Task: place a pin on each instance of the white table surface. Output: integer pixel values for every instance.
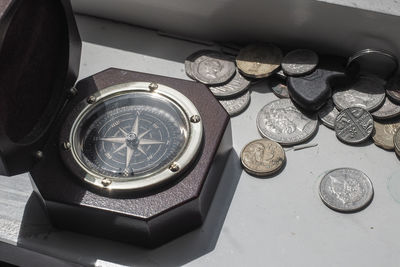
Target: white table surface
(279, 221)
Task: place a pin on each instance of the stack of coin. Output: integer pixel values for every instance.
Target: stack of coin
(219, 73)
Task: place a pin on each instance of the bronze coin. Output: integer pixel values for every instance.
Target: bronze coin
(262, 157)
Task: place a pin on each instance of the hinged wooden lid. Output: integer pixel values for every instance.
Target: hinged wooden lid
(39, 62)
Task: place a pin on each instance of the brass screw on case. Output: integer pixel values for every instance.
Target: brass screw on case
(174, 167)
(67, 146)
(91, 99)
(106, 182)
(195, 119)
(153, 86)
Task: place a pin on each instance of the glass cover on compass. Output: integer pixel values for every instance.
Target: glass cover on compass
(130, 136)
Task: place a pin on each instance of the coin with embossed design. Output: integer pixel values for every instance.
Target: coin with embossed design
(299, 62)
(237, 85)
(282, 122)
(236, 105)
(354, 125)
(262, 157)
(367, 92)
(213, 67)
(259, 60)
(189, 61)
(346, 190)
(387, 111)
(383, 134)
(328, 114)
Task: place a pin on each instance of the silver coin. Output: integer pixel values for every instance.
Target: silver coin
(299, 62)
(236, 105)
(367, 92)
(189, 61)
(346, 190)
(328, 114)
(387, 111)
(354, 125)
(237, 85)
(281, 121)
(213, 67)
(279, 89)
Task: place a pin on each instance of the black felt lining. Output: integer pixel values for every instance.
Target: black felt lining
(33, 65)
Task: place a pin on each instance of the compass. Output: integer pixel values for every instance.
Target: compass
(124, 155)
(131, 136)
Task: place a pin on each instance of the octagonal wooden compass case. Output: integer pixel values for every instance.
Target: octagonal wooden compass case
(124, 155)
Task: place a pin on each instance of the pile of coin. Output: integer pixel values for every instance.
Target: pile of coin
(218, 71)
(356, 104)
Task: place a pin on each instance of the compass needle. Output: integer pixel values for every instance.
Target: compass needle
(120, 140)
(129, 154)
(135, 127)
(150, 142)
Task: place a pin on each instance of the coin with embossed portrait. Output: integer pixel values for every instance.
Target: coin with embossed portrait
(259, 60)
(237, 85)
(367, 92)
(354, 125)
(384, 132)
(282, 122)
(189, 61)
(236, 105)
(212, 67)
(346, 190)
(262, 157)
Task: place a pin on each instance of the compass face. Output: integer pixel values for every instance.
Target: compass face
(133, 138)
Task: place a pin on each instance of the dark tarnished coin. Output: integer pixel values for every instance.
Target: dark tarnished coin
(367, 92)
(387, 111)
(259, 60)
(383, 134)
(213, 67)
(346, 190)
(299, 62)
(238, 84)
(354, 125)
(262, 157)
(237, 105)
(393, 89)
(283, 122)
(328, 114)
(279, 88)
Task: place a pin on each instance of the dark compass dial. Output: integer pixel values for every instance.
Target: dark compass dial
(131, 136)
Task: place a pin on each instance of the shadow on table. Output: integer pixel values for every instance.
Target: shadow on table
(37, 234)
